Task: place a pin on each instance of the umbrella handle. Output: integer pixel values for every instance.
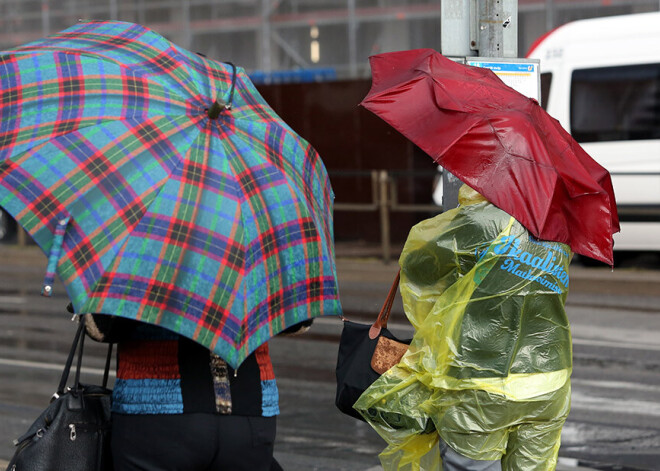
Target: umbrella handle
(233, 85)
(384, 315)
(54, 257)
(217, 106)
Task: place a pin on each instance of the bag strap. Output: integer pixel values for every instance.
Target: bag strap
(69, 362)
(106, 372)
(381, 321)
(78, 345)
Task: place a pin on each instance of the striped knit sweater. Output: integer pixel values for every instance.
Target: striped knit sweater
(160, 372)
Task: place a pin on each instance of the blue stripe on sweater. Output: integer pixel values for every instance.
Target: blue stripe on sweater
(147, 396)
(270, 398)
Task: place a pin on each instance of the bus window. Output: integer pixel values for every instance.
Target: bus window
(546, 81)
(616, 103)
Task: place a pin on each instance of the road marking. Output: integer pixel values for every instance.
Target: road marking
(13, 300)
(568, 462)
(611, 344)
(49, 366)
(615, 385)
(583, 401)
(289, 435)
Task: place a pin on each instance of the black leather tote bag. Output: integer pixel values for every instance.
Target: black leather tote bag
(73, 433)
(365, 352)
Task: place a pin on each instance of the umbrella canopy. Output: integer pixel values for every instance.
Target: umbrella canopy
(163, 187)
(499, 142)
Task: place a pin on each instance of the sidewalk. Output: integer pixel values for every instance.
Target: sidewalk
(359, 262)
(562, 466)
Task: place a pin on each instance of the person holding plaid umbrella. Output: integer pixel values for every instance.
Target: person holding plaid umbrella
(177, 406)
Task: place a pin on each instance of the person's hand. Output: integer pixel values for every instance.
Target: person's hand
(298, 329)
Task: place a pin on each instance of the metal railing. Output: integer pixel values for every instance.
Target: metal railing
(384, 200)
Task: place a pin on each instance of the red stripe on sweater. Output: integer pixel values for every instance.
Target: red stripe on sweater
(148, 359)
(263, 360)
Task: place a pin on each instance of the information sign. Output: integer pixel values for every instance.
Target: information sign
(520, 74)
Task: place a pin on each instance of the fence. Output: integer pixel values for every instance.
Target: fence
(385, 200)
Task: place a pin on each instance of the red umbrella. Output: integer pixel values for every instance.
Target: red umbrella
(499, 142)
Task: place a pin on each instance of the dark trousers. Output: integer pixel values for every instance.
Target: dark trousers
(193, 442)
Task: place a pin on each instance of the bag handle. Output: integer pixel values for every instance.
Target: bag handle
(381, 321)
(106, 371)
(69, 362)
(78, 344)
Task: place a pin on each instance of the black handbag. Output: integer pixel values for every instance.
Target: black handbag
(366, 352)
(73, 433)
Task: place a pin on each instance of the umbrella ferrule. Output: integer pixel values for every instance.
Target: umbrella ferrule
(216, 108)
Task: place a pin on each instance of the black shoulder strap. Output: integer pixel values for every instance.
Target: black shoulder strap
(78, 344)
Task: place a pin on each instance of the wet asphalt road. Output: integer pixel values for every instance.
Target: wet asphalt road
(615, 418)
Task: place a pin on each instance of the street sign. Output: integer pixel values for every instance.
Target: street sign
(520, 74)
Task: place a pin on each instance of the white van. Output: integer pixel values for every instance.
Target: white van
(601, 79)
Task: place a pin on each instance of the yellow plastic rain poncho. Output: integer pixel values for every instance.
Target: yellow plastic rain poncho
(489, 366)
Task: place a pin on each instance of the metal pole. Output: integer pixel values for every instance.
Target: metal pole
(187, 32)
(549, 15)
(383, 179)
(114, 11)
(21, 236)
(266, 63)
(455, 17)
(494, 26)
(352, 39)
(491, 32)
(141, 15)
(45, 18)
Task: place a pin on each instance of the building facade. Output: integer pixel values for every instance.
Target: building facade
(269, 37)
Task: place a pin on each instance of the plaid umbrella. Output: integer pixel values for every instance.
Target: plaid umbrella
(163, 188)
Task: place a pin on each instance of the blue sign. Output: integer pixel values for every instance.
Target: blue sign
(519, 67)
(293, 76)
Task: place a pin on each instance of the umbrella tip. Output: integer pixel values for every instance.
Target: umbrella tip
(216, 108)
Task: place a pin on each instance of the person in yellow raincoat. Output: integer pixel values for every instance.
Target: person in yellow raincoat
(487, 375)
